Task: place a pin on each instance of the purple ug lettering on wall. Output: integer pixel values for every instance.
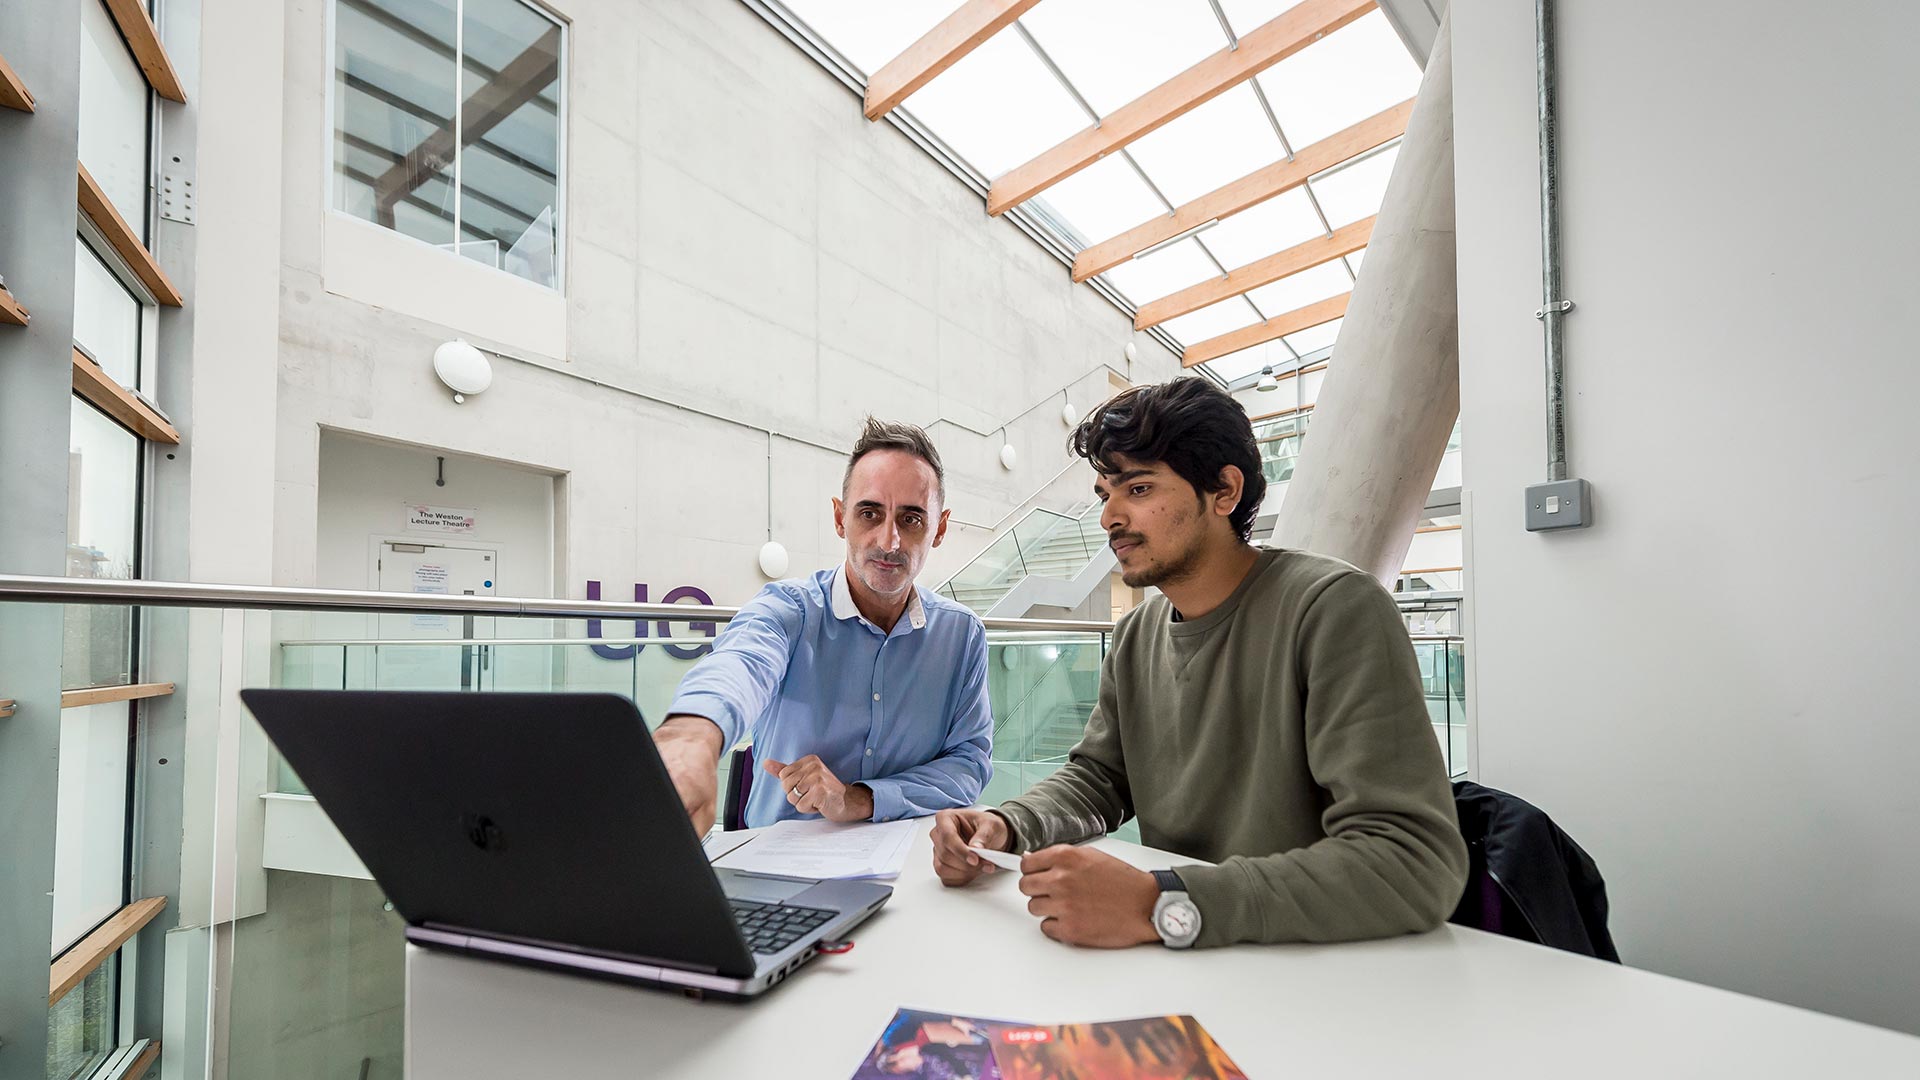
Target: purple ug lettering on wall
(640, 626)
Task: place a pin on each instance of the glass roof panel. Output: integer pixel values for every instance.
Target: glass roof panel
(1212, 321)
(1247, 16)
(1104, 199)
(1215, 144)
(999, 107)
(1309, 286)
(1315, 338)
(1165, 271)
(1355, 191)
(1115, 50)
(1340, 80)
(1248, 361)
(869, 33)
(1264, 228)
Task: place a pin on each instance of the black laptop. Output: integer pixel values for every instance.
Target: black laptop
(543, 829)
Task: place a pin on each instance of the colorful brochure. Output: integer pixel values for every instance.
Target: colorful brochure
(937, 1046)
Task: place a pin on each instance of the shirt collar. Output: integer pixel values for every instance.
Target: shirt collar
(845, 608)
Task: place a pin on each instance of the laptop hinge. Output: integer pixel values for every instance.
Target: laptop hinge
(554, 946)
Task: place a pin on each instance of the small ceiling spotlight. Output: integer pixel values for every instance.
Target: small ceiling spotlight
(463, 368)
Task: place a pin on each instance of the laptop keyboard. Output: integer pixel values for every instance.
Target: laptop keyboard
(769, 928)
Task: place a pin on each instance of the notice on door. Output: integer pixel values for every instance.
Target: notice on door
(440, 519)
(430, 578)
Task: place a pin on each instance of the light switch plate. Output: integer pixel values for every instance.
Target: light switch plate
(1561, 504)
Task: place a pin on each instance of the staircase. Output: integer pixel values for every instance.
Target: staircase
(1046, 558)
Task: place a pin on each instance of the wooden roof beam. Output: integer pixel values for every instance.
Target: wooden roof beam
(1345, 240)
(144, 39)
(77, 963)
(13, 93)
(1250, 190)
(939, 49)
(1286, 34)
(1272, 330)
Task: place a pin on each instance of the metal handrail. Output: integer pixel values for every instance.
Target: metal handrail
(62, 590)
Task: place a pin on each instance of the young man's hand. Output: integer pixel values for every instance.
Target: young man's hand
(1087, 897)
(812, 788)
(954, 831)
(690, 748)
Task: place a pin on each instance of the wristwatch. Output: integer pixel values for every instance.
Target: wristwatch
(1175, 917)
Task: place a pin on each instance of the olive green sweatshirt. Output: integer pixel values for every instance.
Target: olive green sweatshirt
(1282, 737)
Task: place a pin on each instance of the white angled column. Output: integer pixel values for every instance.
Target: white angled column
(1392, 393)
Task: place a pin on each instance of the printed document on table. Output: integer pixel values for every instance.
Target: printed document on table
(825, 849)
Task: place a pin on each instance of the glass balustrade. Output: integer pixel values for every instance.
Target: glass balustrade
(268, 904)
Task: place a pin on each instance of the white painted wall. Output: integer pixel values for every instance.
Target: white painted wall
(1712, 688)
(740, 241)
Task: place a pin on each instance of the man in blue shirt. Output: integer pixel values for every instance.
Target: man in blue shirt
(866, 695)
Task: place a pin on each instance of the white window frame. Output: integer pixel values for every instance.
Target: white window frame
(562, 149)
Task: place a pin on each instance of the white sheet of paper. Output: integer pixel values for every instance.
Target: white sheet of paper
(719, 843)
(824, 849)
(1005, 860)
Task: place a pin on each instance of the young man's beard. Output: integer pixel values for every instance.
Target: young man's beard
(1182, 565)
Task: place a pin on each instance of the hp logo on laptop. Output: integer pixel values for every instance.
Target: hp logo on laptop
(483, 833)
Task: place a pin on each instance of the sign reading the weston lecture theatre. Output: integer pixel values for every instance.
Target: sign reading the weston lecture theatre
(439, 519)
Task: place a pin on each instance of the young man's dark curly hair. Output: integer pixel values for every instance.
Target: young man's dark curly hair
(1191, 426)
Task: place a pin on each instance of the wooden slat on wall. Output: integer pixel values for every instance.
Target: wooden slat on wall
(126, 243)
(144, 39)
(119, 402)
(13, 92)
(96, 695)
(10, 309)
(80, 961)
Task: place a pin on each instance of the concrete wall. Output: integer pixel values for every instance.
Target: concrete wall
(741, 242)
(1711, 688)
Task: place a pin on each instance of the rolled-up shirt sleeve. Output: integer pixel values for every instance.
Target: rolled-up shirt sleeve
(957, 776)
(734, 684)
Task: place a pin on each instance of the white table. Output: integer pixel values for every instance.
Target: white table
(1434, 1004)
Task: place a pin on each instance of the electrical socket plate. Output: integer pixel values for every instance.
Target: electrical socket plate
(1561, 504)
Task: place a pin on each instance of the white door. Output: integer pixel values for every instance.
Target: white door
(439, 570)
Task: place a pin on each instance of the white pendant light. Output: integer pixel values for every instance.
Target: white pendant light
(1267, 381)
(1069, 415)
(1008, 456)
(1131, 352)
(773, 560)
(463, 368)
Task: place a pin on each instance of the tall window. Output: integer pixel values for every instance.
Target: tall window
(446, 120)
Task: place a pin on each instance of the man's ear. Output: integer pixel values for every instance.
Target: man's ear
(840, 518)
(940, 532)
(1233, 484)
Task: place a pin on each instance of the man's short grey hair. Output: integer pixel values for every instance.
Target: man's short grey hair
(906, 438)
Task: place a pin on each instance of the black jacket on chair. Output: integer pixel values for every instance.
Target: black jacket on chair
(1526, 878)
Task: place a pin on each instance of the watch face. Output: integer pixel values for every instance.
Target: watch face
(1179, 920)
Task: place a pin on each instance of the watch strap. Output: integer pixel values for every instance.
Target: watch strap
(1169, 881)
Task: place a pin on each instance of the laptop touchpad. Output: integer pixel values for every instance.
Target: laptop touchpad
(769, 890)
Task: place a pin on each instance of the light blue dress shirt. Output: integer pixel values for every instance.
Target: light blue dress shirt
(904, 713)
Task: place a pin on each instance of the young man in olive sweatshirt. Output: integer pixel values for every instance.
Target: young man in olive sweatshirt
(1263, 713)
